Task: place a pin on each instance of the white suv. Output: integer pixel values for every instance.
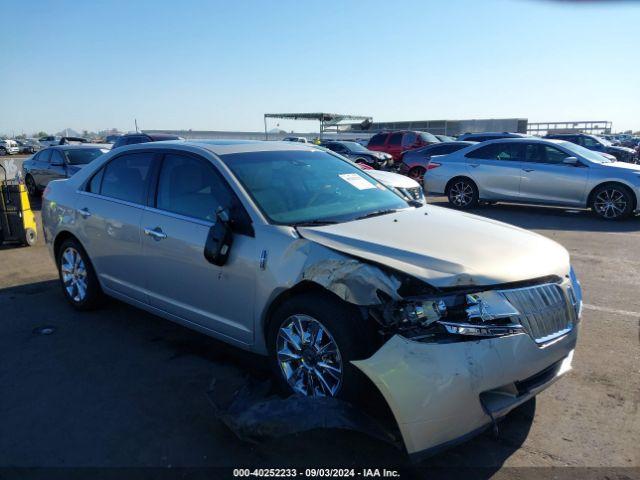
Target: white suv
(9, 147)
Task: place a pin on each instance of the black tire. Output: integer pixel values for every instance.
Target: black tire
(361, 161)
(417, 173)
(32, 188)
(462, 193)
(94, 296)
(30, 237)
(612, 201)
(3, 151)
(346, 327)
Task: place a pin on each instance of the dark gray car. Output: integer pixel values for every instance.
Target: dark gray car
(415, 163)
(57, 162)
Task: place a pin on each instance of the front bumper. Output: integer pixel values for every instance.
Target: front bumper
(442, 393)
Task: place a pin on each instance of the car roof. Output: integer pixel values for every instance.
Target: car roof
(521, 140)
(74, 146)
(228, 146)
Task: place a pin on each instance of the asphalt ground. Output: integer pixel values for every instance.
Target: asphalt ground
(122, 388)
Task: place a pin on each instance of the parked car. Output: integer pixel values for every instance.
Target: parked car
(539, 171)
(484, 136)
(49, 141)
(359, 154)
(58, 162)
(133, 138)
(72, 140)
(295, 139)
(408, 188)
(445, 138)
(112, 138)
(598, 144)
(29, 145)
(415, 163)
(295, 253)
(9, 147)
(394, 143)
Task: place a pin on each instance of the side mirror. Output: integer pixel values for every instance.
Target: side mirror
(571, 161)
(219, 239)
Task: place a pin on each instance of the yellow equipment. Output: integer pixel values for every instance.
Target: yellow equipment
(17, 221)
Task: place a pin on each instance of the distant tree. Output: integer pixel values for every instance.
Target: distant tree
(41, 134)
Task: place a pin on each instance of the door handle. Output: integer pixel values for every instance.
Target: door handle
(84, 212)
(529, 169)
(474, 165)
(155, 233)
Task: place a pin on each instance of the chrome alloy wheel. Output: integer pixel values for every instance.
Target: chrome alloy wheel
(74, 274)
(461, 194)
(610, 203)
(309, 357)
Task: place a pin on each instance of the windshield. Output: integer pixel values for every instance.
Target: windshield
(83, 156)
(603, 141)
(585, 152)
(428, 137)
(355, 147)
(298, 187)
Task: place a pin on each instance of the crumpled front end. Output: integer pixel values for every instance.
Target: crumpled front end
(442, 392)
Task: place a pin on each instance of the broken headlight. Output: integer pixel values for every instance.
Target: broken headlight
(478, 314)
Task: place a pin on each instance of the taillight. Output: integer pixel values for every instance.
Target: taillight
(433, 165)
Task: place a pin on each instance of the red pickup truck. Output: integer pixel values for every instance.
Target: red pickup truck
(394, 143)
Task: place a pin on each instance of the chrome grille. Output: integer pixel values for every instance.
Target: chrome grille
(545, 310)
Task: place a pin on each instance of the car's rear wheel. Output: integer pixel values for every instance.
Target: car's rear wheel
(417, 173)
(462, 193)
(77, 276)
(612, 202)
(312, 340)
(3, 151)
(32, 189)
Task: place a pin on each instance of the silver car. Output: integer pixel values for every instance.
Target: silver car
(295, 253)
(538, 171)
(57, 162)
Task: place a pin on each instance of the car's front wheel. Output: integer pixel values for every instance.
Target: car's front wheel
(612, 202)
(462, 193)
(77, 276)
(312, 340)
(417, 174)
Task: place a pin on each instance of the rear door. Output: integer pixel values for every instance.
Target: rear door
(180, 279)
(497, 170)
(547, 179)
(109, 213)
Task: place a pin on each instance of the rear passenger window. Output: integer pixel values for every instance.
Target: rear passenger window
(378, 139)
(395, 139)
(125, 178)
(192, 187)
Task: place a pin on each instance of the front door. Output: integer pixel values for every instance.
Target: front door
(547, 179)
(180, 279)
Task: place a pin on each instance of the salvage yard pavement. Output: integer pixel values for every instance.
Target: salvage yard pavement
(136, 385)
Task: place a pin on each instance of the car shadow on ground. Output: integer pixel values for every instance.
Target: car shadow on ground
(548, 218)
(119, 371)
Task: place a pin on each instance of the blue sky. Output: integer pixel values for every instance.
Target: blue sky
(221, 65)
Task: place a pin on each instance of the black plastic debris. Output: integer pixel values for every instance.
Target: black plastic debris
(44, 330)
(249, 410)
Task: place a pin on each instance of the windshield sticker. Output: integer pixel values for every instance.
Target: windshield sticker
(357, 181)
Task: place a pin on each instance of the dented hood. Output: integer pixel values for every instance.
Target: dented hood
(445, 247)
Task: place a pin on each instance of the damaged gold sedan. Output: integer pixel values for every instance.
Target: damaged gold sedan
(293, 252)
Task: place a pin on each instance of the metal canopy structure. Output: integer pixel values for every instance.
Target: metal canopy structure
(328, 121)
(595, 127)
